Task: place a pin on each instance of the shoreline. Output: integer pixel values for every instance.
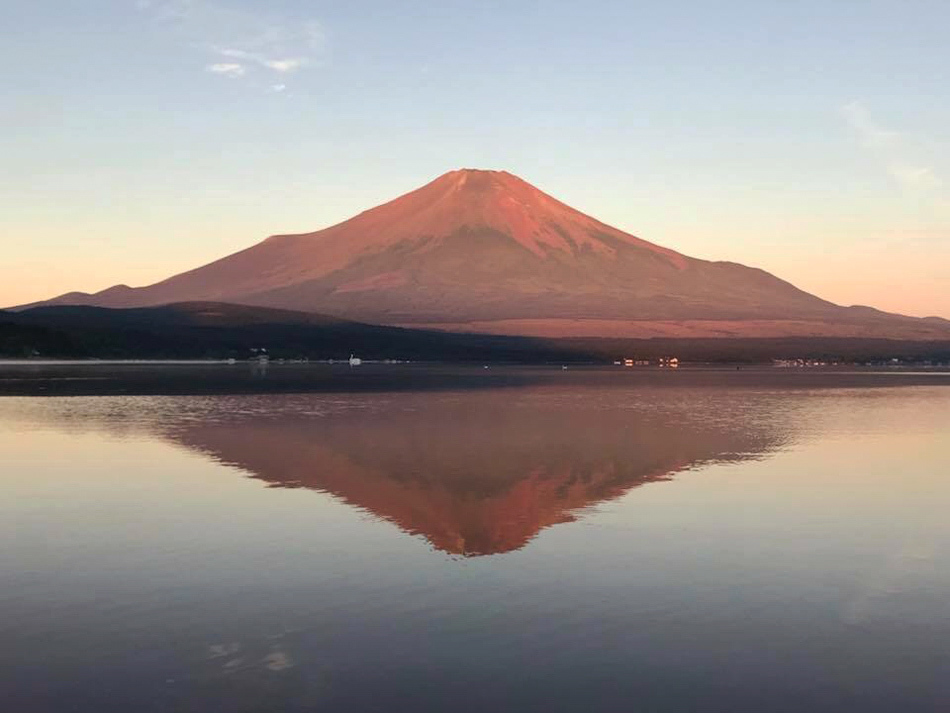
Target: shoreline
(206, 378)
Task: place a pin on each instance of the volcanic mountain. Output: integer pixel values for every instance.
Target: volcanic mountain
(484, 251)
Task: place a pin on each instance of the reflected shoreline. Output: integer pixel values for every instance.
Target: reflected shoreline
(166, 378)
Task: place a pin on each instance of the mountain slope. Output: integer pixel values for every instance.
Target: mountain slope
(486, 251)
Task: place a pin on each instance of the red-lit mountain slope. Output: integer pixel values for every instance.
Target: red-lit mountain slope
(485, 251)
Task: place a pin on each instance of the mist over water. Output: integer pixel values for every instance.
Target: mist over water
(599, 544)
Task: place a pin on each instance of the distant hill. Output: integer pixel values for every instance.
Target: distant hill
(217, 330)
(484, 251)
(198, 330)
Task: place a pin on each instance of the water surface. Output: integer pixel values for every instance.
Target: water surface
(654, 544)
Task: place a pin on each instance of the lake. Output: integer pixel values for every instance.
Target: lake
(474, 540)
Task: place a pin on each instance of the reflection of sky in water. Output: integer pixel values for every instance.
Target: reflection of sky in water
(787, 551)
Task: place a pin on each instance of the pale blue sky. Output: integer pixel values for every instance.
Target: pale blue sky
(812, 139)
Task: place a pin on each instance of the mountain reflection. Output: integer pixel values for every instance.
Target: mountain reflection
(483, 473)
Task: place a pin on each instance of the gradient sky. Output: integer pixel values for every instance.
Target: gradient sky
(809, 138)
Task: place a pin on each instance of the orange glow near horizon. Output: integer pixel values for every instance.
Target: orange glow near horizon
(895, 274)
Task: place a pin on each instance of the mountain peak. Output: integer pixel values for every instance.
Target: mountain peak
(464, 173)
(479, 179)
(479, 201)
(483, 181)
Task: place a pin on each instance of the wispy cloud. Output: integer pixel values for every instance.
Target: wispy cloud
(229, 69)
(893, 149)
(916, 177)
(263, 44)
(868, 131)
(288, 64)
(285, 65)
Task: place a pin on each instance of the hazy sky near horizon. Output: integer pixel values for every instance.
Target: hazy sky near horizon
(811, 138)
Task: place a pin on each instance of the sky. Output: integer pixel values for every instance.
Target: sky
(141, 138)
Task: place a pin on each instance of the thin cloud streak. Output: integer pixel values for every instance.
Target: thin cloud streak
(278, 65)
(893, 149)
(265, 44)
(226, 68)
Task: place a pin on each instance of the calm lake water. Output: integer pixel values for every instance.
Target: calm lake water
(772, 543)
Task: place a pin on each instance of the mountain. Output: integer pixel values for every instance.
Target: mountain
(484, 251)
